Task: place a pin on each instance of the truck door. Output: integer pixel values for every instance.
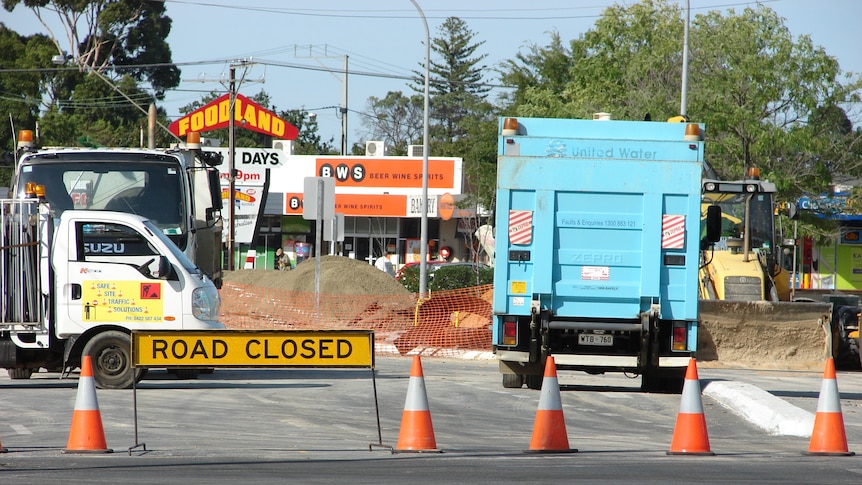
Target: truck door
(112, 279)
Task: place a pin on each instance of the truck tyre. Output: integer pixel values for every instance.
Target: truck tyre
(534, 381)
(847, 348)
(19, 373)
(513, 381)
(111, 355)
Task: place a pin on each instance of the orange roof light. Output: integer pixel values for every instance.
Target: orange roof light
(510, 127)
(25, 139)
(193, 140)
(692, 132)
(754, 173)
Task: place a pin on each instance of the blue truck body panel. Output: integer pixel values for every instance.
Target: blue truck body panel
(597, 221)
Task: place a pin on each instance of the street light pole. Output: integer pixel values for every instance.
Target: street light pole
(423, 231)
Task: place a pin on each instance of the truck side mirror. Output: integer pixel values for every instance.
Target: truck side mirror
(792, 210)
(713, 224)
(215, 189)
(166, 270)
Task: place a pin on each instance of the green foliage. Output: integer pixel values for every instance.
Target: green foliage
(454, 277)
(768, 99)
(447, 277)
(119, 63)
(308, 141)
(396, 119)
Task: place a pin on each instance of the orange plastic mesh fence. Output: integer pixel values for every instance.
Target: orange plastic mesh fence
(447, 323)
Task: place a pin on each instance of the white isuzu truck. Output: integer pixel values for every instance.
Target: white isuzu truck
(78, 283)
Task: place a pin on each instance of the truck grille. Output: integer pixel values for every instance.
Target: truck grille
(742, 288)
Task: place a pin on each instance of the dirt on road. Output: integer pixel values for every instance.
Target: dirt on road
(732, 334)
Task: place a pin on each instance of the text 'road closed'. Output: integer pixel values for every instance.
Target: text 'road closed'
(253, 349)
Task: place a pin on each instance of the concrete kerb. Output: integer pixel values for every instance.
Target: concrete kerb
(760, 408)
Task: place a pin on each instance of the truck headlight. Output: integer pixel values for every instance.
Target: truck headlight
(205, 303)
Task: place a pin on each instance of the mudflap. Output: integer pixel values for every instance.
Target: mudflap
(526, 372)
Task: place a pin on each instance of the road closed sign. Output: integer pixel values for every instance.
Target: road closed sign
(247, 348)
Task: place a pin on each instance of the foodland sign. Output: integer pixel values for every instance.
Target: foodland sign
(246, 113)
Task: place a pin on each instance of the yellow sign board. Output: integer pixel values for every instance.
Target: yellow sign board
(251, 348)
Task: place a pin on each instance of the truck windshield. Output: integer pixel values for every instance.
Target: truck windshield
(733, 214)
(149, 189)
(179, 255)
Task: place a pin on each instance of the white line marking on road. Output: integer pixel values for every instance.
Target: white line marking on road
(20, 429)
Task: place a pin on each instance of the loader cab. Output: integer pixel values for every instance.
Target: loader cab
(741, 265)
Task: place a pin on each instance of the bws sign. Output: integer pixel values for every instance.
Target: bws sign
(245, 348)
(246, 114)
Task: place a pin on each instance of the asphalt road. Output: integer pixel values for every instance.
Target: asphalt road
(321, 426)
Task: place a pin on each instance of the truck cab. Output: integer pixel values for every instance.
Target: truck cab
(78, 284)
(177, 190)
(742, 265)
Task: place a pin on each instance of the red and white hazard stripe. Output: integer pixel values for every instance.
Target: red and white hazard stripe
(672, 231)
(520, 227)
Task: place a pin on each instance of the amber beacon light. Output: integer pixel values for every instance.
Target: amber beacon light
(510, 126)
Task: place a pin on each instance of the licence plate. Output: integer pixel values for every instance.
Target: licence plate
(595, 339)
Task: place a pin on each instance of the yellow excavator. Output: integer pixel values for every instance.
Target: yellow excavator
(743, 285)
(743, 265)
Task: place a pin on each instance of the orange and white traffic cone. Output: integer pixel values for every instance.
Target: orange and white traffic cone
(86, 434)
(828, 437)
(417, 432)
(689, 434)
(549, 429)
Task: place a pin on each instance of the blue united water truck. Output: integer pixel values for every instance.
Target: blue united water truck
(598, 233)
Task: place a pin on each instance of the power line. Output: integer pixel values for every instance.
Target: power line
(518, 14)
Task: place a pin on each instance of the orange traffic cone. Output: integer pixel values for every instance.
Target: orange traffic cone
(417, 432)
(828, 437)
(549, 430)
(86, 434)
(689, 434)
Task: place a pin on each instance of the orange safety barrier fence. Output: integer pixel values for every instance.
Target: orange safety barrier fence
(446, 323)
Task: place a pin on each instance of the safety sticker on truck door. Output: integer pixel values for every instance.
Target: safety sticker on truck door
(122, 301)
(672, 231)
(520, 227)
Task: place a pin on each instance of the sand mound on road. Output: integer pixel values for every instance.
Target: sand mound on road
(338, 276)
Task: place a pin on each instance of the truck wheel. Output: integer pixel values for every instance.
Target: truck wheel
(111, 356)
(19, 373)
(513, 381)
(534, 381)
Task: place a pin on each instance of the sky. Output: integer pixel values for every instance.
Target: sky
(296, 53)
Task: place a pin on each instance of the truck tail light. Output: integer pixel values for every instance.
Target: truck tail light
(680, 334)
(510, 332)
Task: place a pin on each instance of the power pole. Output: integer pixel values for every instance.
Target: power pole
(344, 111)
(231, 136)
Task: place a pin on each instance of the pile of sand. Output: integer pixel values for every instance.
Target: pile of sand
(338, 276)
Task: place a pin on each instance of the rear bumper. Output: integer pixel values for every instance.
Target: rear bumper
(604, 361)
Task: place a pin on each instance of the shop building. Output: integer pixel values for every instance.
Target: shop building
(380, 199)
